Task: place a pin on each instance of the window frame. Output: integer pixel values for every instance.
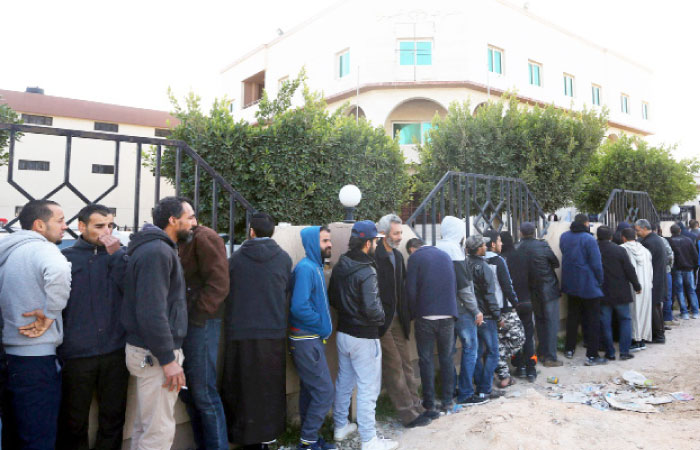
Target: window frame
(571, 85)
(490, 51)
(530, 65)
(36, 119)
(645, 110)
(106, 127)
(34, 165)
(415, 56)
(339, 64)
(624, 103)
(102, 169)
(594, 97)
(423, 128)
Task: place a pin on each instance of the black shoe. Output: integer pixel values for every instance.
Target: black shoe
(476, 399)
(610, 358)
(432, 414)
(595, 361)
(666, 327)
(419, 421)
(520, 372)
(635, 346)
(658, 341)
(496, 394)
(531, 373)
(626, 356)
(643, 345)
(569, 354)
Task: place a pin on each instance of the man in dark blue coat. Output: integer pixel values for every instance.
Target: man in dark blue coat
(94, 339)
(582, 281)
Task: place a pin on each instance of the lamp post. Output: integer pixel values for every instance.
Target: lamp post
(349, 197)
(675, 210)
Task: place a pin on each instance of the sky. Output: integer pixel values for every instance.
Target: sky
(129, 52)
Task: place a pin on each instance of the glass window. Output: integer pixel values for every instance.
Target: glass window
(645, 110)
(568, 85)
(495, 60)
(595, 95)
(624, 104)
(419, 53)
(412, 133)
(102, 168)
(534, 70)
(25, 164)
(37, 120)
(344, 64)
(103, 126)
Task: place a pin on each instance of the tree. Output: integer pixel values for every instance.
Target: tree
(293, 162)
(631, 163)
(547, 147)
(7, 115)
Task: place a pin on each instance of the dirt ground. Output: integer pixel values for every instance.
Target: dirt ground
(532, 417)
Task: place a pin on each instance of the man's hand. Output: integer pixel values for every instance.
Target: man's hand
(111, 243)
(479, 319)
(174, 376)
(38, 327)
(638, 292)
(501, 323)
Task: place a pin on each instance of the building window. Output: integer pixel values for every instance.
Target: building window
(568, 85)
(25, 164)
(412, 133)
(645, 110)
(232, 106)
(624, 103)
(495, 59)
(253, 89)
(344, 64)
(415, 53)
(101, 168)
(595, 94)
(162, 132)
(535, 71)
(103, 126)
(37, 120)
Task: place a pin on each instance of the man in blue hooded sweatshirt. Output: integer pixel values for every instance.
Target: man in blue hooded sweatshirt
(309, 327)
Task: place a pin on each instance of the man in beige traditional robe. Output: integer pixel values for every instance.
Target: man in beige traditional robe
(641, 307)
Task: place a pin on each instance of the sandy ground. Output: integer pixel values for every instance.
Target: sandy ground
(532, 417)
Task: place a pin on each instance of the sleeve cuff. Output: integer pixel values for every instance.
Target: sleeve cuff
(165, 357)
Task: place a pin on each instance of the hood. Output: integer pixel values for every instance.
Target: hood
(635, 250)
(260, 250)
(16, 240)
(148, 233)
(622, 225)
(310, 239)
(577, 227)
(453, 231)
(349, 264)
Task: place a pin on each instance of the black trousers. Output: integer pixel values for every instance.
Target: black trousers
(657, 321)
(591, 324)
(574, 316)
(108, 377)
(524, 356)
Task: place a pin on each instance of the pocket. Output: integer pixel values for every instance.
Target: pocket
(316, 355)
(377, 349)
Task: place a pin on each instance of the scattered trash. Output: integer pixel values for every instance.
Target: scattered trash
(682, 396)
(629, 405)
(513, 394)
(637, 379)
(601, 405)
(553, 380)
(575, 397)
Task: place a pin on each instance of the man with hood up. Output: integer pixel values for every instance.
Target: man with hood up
(34, 288)
(309, 327)
(154, 314)
(640, 309)
(256, 330)
(354, 293)
(454, 233)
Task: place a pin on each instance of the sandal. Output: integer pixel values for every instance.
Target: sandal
(508, 382)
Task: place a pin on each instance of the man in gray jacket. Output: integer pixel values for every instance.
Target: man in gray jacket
(34, 288)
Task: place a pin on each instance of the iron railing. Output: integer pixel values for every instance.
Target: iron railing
(484, 202)
(628, 206)
(181, 149)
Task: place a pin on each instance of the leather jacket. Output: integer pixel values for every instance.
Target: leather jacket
(354, 293)
(484, 287)
(541, 262)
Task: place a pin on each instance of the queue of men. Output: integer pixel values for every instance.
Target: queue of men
(77, 323)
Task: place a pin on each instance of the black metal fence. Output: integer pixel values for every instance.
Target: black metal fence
(628, 206)
(219, 185)
(484, 202)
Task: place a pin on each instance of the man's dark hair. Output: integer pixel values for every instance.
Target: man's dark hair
(693, 223)
(356, 243)
(629, 234)
(263, 224)
(581, 218)
(86, 212)
(33, 210)
(414, 243)
(675, 230)
(166, 208)
(493, 235)
(604, 233)
(324, 228)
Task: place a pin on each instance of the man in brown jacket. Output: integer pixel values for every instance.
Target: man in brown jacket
(206, 274)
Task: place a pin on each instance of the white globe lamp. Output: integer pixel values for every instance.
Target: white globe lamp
(349, 196)
(675, 209)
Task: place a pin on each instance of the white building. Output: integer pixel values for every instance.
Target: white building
(400, 62)
(39, 162)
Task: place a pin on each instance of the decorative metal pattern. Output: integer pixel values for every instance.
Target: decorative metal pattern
(181, 149)
(490, 202)
(628, 206)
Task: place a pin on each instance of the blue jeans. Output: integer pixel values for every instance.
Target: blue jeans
(465, 331)
(684, 286)
(201, 349)
(316, 393)
(487, 356)
(668, 301)
(625, 321)
(34, 390)
(359, 363)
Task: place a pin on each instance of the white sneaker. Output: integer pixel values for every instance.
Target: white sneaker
(343, 433)
(378, 443)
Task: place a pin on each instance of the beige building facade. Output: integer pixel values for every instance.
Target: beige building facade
(398, 63)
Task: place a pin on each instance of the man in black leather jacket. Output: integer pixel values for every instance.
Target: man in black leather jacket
(354, 293)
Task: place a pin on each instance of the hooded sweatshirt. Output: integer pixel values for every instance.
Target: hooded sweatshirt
(155, 309)
(454, 232)
(33, 275)
(256, 308)
(309, 314)
(581, 265)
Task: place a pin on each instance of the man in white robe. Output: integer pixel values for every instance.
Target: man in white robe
(640, 309)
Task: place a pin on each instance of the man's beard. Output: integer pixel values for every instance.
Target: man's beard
(371, 251)
(184, 236)
(392, 243)
(326, 253)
